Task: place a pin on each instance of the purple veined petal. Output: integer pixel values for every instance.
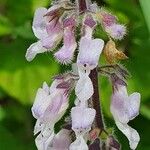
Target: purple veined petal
(82, 123)
(62, 140)
(39, 23)
(52, 40)
(66, 53)
(130, 133)
(54, 34)
(56, 109)
(53, 27)
(84, 88)
(34, 49)
(40, 104)
(89, 52)
(79, 144)
(116, 31)
(134, 105)
(119, 106)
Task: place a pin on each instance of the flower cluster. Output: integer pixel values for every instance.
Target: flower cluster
(60, 23)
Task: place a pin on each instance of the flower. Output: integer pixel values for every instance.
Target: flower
(110, 25)
(89, 52)
(81, 125)
(125, 108)
(116, 31)
(65, 54)
(47, 27)
(49, 106)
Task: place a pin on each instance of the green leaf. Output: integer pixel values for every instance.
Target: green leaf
(145, 4)
(19, 78)
(145, 111)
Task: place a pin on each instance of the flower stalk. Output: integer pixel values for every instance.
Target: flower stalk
(96, 100)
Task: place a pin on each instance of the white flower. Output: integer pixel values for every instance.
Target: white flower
(49, 106)
(125, 108)
(81, 125)
(89, 52)
(84, 87)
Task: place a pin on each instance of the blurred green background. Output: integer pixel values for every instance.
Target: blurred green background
(20, 79)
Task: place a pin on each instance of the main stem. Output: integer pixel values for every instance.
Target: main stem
(96, 99)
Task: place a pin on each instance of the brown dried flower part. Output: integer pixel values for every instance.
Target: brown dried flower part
(112, 54)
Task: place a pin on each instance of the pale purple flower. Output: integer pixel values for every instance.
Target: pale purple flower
(116, 31)
(65, 54)
(47, 28)
(50, 105)
(125, 108)
(81, 125)
(89, 52)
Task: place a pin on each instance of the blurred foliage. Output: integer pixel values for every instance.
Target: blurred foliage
(19, 79)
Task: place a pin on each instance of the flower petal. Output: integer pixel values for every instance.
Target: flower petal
(65, 54)
(116, 31)
(89, 52)
(79, 144)
(134, 105)
(84, 88)
(42, 141)
(33, 50)
(51, 41)
(119, 104)
(130, 133)
(62, 140)
(84, 122)
(40, 104)
(39, 23)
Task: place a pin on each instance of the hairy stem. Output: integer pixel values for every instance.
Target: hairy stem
(96, 100)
